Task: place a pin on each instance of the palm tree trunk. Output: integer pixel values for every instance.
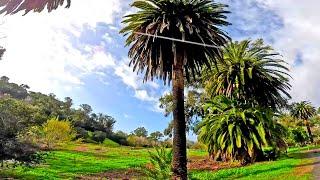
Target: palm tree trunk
(179, 163)
(309, 130)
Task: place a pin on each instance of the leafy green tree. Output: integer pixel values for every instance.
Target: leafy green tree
(156, 136)
(140, 132)
(105, 123)
(171, 60)
(192, 107)
(12, 89)
(304, 111)
(15, 117)
(251, 71)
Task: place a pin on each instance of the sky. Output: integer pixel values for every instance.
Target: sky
(79, 53)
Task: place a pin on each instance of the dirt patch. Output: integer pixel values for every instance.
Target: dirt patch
(81, 148)
(208, 164)
(116, 174)
(310, 163)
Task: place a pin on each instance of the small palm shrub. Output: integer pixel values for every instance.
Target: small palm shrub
(234, 131)
(160, 164)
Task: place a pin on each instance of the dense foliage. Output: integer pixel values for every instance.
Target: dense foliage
(25, 114)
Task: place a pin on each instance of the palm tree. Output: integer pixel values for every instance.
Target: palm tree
(304, 111)
(252, 72)
(14, 6)
(155, 51)
(236, 131)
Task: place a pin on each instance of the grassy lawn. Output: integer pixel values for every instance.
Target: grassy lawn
(85, 159)
(74, 160)
(295, 166)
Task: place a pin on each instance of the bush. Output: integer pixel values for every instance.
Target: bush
(82, 133)
(56, 132)
(50, 134)
(109, 143)
(199, 146)
(99, 136)
(167, 143)
(21, 152)
(299, 136)
(137, 141)
(120, 138)
(90, 141)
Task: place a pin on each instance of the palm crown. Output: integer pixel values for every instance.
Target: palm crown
(303, 110)
(251, 71)
(190, 20)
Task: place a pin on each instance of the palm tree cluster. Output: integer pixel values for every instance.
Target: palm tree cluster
(244, 82)
(244, 92)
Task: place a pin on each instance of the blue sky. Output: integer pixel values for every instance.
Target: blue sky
(79, 53)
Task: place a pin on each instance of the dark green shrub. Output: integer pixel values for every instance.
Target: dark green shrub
(99, 136)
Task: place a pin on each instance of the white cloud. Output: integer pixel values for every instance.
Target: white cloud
(107, 38)
(41, 54)
(135, 82)
(294, 30)
(144, 96)
(300, 35)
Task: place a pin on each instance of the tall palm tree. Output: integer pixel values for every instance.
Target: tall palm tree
(153, 54)
(251, 71)
(14, 6)
(304, 111)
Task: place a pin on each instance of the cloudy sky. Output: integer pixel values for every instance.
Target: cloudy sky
(79, 53)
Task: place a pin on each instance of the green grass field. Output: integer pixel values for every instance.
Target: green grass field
(75, 160)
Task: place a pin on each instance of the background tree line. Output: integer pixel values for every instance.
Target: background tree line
(31, 121)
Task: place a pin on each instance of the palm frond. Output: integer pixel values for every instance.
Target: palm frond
(15, 6)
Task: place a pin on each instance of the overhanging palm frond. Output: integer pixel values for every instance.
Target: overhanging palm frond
(191, 20)
(2, 51)
(15, 6)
